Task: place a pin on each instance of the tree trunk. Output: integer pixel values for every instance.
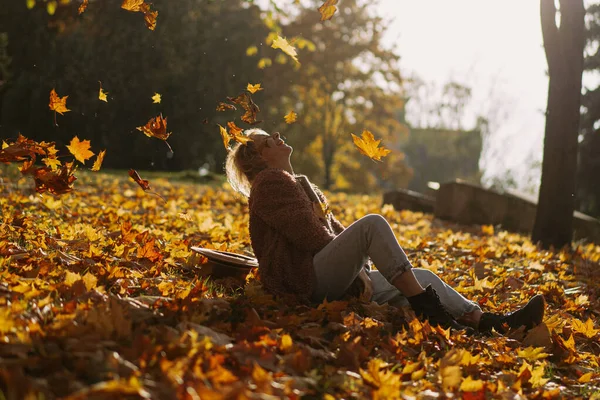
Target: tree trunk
(564, 51)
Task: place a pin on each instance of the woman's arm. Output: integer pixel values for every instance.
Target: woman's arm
(280, 203)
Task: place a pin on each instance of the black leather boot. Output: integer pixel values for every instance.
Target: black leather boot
(529, 316)
(427, 305)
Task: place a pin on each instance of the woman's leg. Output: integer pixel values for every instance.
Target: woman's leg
(338, 263)
(457, 305)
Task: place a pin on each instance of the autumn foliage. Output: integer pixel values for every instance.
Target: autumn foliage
(103, 280)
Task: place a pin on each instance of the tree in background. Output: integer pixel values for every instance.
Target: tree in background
(438, 147)
(346, 82)
(588, 187)
(564, 47)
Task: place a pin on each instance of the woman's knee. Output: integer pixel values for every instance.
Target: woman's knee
(374, 220)
(426, 277)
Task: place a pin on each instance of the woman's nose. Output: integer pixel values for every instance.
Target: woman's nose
(276, 136)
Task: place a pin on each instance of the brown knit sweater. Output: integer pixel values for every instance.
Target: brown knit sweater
(286, 233)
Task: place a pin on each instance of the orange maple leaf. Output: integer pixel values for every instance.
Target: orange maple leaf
(58, 104)
(368, 146)
(328, 9)
(155, 127)
(141, 6)
(80, 149)
(98, 162)
(83, 6)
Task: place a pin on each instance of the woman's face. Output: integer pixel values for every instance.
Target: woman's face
(272, 148)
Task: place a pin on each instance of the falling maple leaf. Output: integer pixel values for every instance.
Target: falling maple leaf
(290, 117)
(254, 88)
(102, 94)
(52, 162)
(225, 107)
(368, 146)
(234, 129)
(132, 5)
(58, 104)
(156, 127)
(80, 149)
(156, 99)
(226, 137)
(328, 9)
(282, 43)
(98, 162)
(83, 6)
(245, 100)
(141, 6)
(55, 182)
(144, 184)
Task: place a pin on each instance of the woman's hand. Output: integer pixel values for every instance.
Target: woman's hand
(367, 293)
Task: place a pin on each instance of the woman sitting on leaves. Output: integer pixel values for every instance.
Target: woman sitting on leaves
(305, 252)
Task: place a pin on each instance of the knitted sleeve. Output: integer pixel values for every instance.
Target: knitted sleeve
(335, 224)
(283, 205)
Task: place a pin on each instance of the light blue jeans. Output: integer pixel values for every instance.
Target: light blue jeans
(371, 237)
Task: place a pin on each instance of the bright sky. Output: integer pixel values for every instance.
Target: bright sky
(496, 48)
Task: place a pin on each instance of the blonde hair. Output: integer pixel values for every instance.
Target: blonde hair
(243, 163)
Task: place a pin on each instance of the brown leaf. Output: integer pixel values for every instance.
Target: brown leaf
(245, 100)
(144, 184)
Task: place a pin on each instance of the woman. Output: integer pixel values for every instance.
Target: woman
(303, 250)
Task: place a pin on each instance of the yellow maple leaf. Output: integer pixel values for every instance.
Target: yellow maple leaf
(156, 99)
(80, 149)
(98, 162)
(90, 281)
(471, 385)
(585, 378)
(290, 117)
(83, 6)
(132, 5)
(328, 9)
(532, 353)
(368, 146)
(586, 328)
(282, 43)
(71, 277)
(102, 94)
(226, 137)
(58, 104)
(52, 162)
(253, 88)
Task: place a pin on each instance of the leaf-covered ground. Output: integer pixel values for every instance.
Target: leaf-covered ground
(100, 297)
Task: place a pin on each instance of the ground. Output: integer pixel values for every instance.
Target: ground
(100, 297)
